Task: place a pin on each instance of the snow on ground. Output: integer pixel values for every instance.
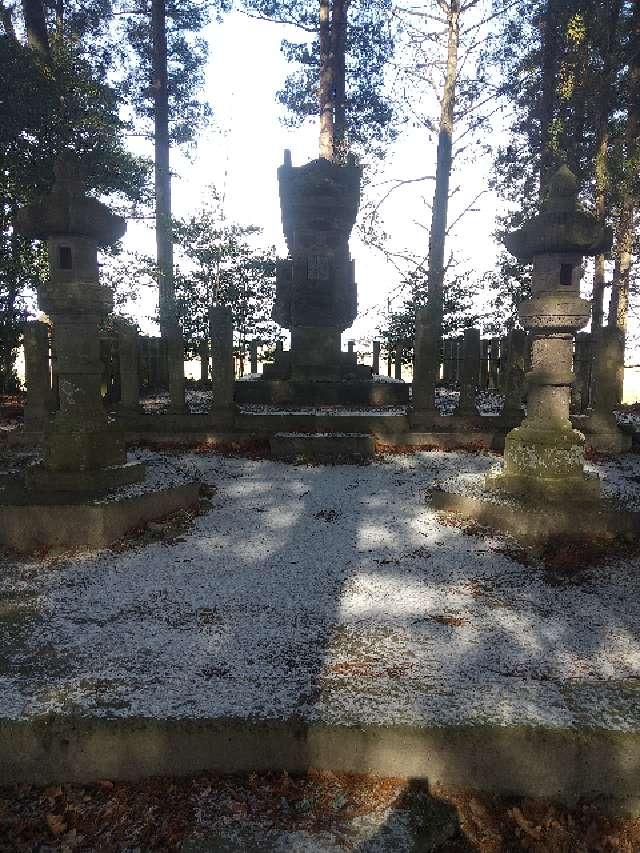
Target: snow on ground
(333, 593)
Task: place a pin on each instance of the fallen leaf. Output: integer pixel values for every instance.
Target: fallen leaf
(56, 824)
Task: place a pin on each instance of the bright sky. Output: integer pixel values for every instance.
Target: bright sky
(247, 142)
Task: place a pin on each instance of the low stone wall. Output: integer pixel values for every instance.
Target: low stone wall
(560, 764)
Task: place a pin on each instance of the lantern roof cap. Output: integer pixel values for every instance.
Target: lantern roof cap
(562, 226)
(67, 211)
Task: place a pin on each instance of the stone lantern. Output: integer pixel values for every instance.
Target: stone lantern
(82, 451)
(544, 456)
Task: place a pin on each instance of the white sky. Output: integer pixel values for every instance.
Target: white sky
(247, 141)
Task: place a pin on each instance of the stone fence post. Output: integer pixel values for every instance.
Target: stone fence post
(582, 358)
(221, 331)
(397, 363)
(253, 356)
(484, 364)
(375, 368)
(36, 363)
(203, 352)
(175, 364)
(470, 373)
(423, 408)
(494, 364)
(513, 370)
(129, 367)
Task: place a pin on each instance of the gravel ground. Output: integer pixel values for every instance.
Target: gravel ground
(334, 593)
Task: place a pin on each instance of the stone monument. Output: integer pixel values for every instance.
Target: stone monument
(316, 296)
(82, 451)
(544, 456)
(543, 491)
(71, 496)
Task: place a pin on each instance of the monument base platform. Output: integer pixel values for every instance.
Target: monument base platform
(40, 478)
(30, 521)
(347, 392)
(537, 524)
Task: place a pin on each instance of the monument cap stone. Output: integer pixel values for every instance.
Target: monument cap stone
(69, 211)
(562, 226)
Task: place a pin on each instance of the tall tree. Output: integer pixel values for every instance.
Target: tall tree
(164, 236)
(608, 24)
(163, 56)
(339, 70)
(626, 230)
(60, 100)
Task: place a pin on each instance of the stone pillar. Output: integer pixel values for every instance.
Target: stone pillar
(447, 368)
(279, 347)
(129, 367)
(55, 378)
(459, 341)
(470, 373)
(484, 365)
(253, 356)
(607, 374)
(221, 331)
(175, 364)
(397, 363)
(544, 457)
(494, 364)
(350, 346)
(82, 451)
(203, 352)
(423, 408)
(514, 375)
(36, 364)
(582, 359)
(375, 369)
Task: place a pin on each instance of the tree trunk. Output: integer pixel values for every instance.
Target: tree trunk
(602, 155)
(326, 84)
(60, 19)
(164, 235)
(619, 304)
(7, 21)
(36, 27)
(339, 37)
(439, 214)
(549, 89)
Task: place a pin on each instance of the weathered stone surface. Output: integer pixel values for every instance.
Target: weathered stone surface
(344, 393)
(175, 360)
(607, 373)
(376, 358)
(36, 361)
(425, 363)
(80, 437)
(129, 367)
(319, 203)
(470, 373)
(323, 447)
(221, 333)
(32, 524)
(514, 378)
(544, 457)
(203, 352)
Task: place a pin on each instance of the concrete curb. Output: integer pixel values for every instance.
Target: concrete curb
(560, 764)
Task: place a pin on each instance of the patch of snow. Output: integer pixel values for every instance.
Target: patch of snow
(330, 593)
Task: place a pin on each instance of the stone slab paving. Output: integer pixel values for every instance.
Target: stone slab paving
(331, 594)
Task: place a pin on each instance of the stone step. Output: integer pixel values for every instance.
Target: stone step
(323, 446)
